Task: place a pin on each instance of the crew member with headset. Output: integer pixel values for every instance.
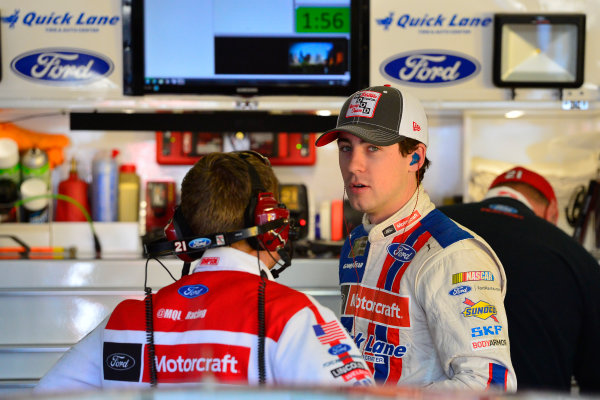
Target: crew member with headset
(227, 321)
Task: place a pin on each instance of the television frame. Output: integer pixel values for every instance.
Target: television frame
(134, 69)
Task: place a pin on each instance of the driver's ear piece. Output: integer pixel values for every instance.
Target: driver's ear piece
(415, 159)
(178, 229)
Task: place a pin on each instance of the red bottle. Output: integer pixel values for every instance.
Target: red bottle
(77, 189)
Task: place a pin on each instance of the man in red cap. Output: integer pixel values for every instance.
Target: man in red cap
(552, 300)
(421, 296)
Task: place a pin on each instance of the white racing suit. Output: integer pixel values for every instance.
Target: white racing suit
(423, 299)
(206, 330)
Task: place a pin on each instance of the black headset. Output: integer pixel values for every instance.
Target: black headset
(267, 226)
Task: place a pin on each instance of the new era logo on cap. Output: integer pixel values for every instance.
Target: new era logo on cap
(416, 127)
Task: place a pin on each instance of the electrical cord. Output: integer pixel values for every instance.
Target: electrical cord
(68, 199)
(150, 321)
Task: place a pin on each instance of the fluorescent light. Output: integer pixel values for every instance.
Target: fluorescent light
(514, 114)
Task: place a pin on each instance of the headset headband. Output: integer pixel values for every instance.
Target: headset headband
(196, 244)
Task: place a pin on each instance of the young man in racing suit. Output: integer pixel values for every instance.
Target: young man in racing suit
(210, 326)
(421, 295)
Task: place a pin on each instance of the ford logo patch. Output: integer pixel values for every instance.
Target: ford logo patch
(199, 243)
(401, 252)
(457, 291)
(339, 349)
(61, 66)
(430, 67)
(191, 291)
(120, 361)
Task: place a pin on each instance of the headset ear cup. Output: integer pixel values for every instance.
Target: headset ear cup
(267, 209)
(178, 229)
(250, 220)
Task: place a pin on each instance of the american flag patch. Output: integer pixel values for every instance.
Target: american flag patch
(329, 332)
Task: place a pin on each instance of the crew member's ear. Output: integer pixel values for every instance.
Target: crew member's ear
(551, 212)
(417, 157)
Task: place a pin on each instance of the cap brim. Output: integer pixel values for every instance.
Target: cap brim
(376, 137)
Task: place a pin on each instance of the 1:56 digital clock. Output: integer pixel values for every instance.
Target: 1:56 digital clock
(323, 19)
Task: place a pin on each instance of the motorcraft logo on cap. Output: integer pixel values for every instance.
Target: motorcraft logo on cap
(430, 68)
(62, 66)
(363, 104)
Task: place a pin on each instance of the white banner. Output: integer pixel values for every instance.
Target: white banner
(442, 50)
(61, 49)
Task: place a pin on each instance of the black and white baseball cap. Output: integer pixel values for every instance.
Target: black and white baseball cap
(381, 115)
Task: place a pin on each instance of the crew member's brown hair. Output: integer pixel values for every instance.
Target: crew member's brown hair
(217, 189)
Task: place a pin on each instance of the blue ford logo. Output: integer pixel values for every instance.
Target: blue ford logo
(339, 349)
(199, 243)
(401, 252)
(432, 67)
(61, 66)
(191, 291)
(457, 291)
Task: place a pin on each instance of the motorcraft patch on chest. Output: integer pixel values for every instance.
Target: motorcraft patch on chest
(377, 305)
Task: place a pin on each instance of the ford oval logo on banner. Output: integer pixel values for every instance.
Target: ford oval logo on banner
(430, 68)
(191, 291)
(64, 67)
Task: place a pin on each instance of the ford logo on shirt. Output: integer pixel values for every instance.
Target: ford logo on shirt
(457, 291)
(120, 361)
(191, 291)
(339, 349)
(199, 243)
(430, 67)
(401, 251)
(61, 66)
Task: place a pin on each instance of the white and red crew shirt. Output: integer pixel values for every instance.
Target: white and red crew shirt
(423, 298)
(206, 330)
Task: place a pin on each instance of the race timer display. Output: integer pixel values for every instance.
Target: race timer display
(323, 20)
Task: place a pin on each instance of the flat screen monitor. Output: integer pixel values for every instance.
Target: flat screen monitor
(257, 47)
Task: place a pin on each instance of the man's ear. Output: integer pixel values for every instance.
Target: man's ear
(551, 212)
(417, 157)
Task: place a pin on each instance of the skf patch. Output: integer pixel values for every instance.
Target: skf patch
(481, 310)
(472, 276)
(358, 247)
(122, 361)
(486, 330)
